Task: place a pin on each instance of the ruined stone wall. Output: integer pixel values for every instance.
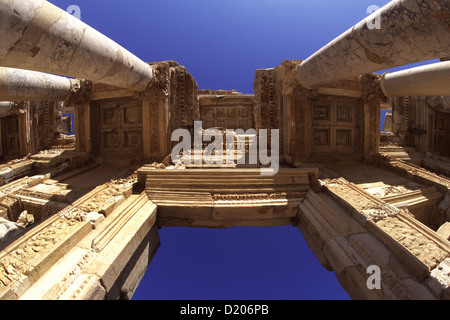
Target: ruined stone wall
(350, 228)
(30, 127)
(339, 118)
(173, 105)
(115, 123)
(423, 123)
(226, 109)
(97, 247)
(182, 97)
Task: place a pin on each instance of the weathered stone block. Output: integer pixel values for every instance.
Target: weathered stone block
(87, 287)
(138, 265)
(417, 290)
(118, 240)
(337, 254)
(6, 174)
(108, 207)
(22, 167)
(439, 280)
(315, 248)
(35, 180)
(9, 230)
(354, 280)
(95, 218)
(235, 212)
(202, 213)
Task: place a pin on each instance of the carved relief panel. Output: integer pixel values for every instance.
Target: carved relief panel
(121, 127)
(333, 124)
(227, 117)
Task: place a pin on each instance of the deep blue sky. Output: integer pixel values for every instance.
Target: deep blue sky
(222, 43)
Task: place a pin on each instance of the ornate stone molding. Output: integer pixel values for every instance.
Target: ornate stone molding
(81, 92)
(371, 89)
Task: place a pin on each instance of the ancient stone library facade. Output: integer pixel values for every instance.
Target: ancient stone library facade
(88, 175)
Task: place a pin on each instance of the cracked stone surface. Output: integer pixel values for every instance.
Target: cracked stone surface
(410, 31)
(39, 36)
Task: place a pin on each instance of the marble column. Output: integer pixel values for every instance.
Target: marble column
(428, 80)
(25, 85)
(407, 31)
(38, 36)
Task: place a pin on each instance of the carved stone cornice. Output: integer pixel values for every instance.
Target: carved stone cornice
(291, 80)
(371, 90)
(160, 85)
(18, 108)
(81, 92)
